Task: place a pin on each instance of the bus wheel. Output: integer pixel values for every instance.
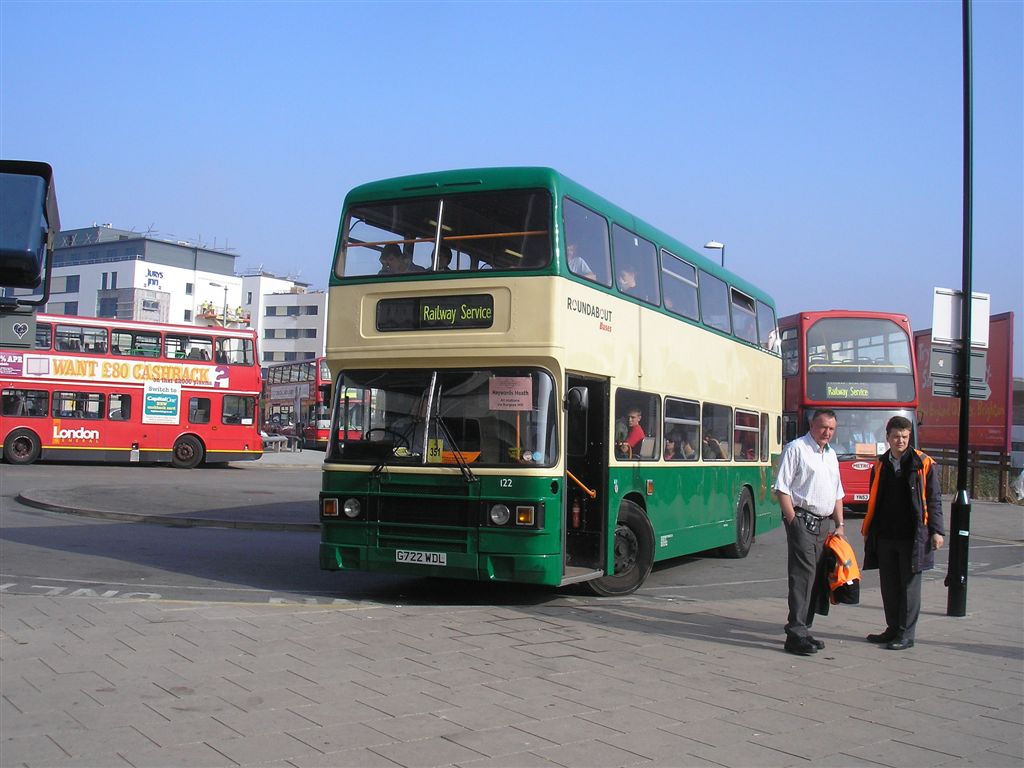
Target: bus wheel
(188, 452)
(634, 553)
(22, 447)
(744, 527)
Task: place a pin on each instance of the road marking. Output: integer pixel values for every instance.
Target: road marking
(77, 588)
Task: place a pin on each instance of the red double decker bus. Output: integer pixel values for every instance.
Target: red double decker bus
(93, 389)
(861, 365)
(296, 393)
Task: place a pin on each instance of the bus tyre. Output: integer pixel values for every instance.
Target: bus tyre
(22, 446)
(188, 452)
(744, 527)
(633, 551)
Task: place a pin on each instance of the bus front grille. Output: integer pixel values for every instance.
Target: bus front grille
(417, 538)
(427, 510)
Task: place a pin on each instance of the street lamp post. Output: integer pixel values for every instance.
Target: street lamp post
(714, 245)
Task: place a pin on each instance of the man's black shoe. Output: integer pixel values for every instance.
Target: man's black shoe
(819, 644)
(885, 637)
(800, 646)
(900, 644)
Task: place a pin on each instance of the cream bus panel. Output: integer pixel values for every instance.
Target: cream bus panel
(583, 329)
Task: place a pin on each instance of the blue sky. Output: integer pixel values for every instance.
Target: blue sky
(821, 142)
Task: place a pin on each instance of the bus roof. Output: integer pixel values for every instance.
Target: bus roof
(537, 177)
(215, 330)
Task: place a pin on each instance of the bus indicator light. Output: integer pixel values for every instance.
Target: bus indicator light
(329, 508)
(525, 515)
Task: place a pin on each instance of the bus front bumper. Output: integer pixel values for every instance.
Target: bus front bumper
(520, 568)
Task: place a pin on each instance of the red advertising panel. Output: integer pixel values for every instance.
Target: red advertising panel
(990, 419)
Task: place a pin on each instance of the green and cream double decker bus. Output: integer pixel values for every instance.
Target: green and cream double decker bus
(549, 390)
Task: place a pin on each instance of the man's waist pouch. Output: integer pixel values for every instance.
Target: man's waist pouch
(810, 520)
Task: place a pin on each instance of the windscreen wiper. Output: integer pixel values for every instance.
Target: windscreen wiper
(467, 473)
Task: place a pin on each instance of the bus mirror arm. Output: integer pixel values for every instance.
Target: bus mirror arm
(577, 399)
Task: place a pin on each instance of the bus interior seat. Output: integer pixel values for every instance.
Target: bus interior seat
(647, 448)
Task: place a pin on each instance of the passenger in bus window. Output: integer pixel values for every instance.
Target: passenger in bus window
(714, 449)
(577, 264)
(629, 445)
(672, 450)
(686, 449)
(443, 259)
(627, 280)
(678, 448)
(394, 262)
(627, 283)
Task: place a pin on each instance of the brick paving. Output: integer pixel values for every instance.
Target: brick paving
(636, 681)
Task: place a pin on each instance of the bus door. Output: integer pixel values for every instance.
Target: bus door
(586, 481)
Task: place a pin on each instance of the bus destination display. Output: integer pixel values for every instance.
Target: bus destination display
(435, 313)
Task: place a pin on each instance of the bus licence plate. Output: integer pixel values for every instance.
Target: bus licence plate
(425, 558)
(861, 496)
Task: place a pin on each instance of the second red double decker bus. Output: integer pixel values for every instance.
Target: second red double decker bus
(94, 389)
(859, 364)
(296, 393)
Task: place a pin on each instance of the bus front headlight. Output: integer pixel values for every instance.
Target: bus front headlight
(500, 514)
(351, 508)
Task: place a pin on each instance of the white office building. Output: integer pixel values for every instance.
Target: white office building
(290, 318)
(100, 271)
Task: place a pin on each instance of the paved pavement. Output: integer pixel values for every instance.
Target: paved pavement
(645, 680)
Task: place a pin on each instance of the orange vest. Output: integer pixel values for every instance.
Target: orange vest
(922, 479)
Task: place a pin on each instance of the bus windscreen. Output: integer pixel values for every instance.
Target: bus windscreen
(507, 230)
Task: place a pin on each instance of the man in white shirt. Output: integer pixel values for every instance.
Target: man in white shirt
(809, 491)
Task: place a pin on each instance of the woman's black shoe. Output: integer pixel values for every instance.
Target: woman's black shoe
(885, 637)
